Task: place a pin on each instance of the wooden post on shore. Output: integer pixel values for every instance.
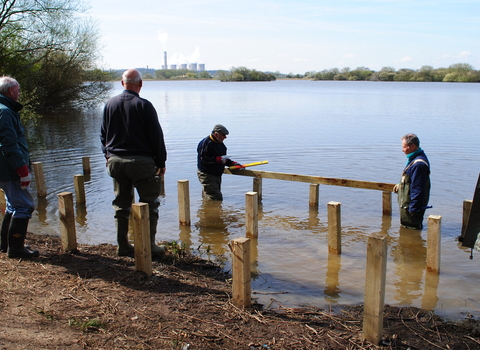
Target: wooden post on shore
(334, 228)
(257, 187)
(467, 208)
(67, 221)
(251, 215)
(86, 165)
(79, 182)
(387, 203)
(241, 279)
(374, 299)
(183, 202)
(314, 195)
(434, 237)
(37, 168)
(141, 238)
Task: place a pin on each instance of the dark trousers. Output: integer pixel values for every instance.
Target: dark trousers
(139, 173)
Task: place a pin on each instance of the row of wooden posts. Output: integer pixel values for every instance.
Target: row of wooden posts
(376, 259)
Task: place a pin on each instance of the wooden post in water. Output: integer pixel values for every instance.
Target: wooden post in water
(183, 202)
(467, 208)
(434, 237)
(67, 222)
(314, 195)
(79, 182)
(141, 238)
(241, 279)
(334, 228)
(86, 165)
(251, 215)
(257, 187)
(387, 203)
(374, 300)
(37, 168)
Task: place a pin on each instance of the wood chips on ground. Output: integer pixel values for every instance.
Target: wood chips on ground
(96, 300)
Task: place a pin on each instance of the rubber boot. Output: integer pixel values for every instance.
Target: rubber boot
(156, 250)
(4, 232)
(16, 239)
(124, 247)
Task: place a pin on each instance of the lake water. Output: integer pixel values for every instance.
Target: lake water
(348, 130)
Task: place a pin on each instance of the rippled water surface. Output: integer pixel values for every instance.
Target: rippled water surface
(347, 130)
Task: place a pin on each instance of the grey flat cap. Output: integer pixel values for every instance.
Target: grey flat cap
(220, 128)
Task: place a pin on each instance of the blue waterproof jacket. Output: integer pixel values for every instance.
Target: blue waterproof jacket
(414, 190)
(207, 151)
(13, 143)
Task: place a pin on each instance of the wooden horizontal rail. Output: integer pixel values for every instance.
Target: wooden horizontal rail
(380, 186)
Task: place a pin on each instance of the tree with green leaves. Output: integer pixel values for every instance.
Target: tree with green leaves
(51, 49)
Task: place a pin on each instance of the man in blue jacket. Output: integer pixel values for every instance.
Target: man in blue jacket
(14, 173)
(133, 144)
(211, 161)
(414, 187)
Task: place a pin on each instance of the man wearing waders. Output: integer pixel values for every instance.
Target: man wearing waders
(414, 187)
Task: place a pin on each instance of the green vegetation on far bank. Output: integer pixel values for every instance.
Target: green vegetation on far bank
(459, 72)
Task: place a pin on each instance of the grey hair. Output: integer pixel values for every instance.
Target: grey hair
(133, 78)
(6, 83)
(411, 139)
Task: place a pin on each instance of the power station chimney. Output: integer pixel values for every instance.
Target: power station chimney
(165, 60)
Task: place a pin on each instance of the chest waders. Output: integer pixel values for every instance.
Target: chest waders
(414, 220)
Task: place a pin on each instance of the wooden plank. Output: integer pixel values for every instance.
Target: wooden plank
(380, 186)
(241, 278)
(37, 168)
(374, 300)
(334, 228)
(141, 230)
(184, 202)
(79, 183)
(387, 203)
(67, 222)
(434, 237)
(251, 214)
(314, 195)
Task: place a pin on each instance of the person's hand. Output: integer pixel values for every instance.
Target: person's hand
(238, 165)
(25, 176)
(395, 188)
(161, 171)
(222, 159)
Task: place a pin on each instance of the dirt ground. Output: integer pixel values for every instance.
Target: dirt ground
(96, 300)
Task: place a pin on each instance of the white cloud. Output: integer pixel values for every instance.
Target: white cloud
(404, 59)
(350, 55)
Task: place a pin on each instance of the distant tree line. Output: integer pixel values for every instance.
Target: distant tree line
(459, 72)
(244, 74)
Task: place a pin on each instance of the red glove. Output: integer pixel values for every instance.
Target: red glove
(238, 165)
(25, 176)
(222, 159)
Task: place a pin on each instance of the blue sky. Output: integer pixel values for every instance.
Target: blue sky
(288, 36)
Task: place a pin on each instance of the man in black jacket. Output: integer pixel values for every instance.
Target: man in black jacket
(211, 161)
(133, 144)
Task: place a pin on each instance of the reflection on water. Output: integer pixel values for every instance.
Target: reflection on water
(347, 130)
(332, 289)
(409, 255)
(212, 225)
